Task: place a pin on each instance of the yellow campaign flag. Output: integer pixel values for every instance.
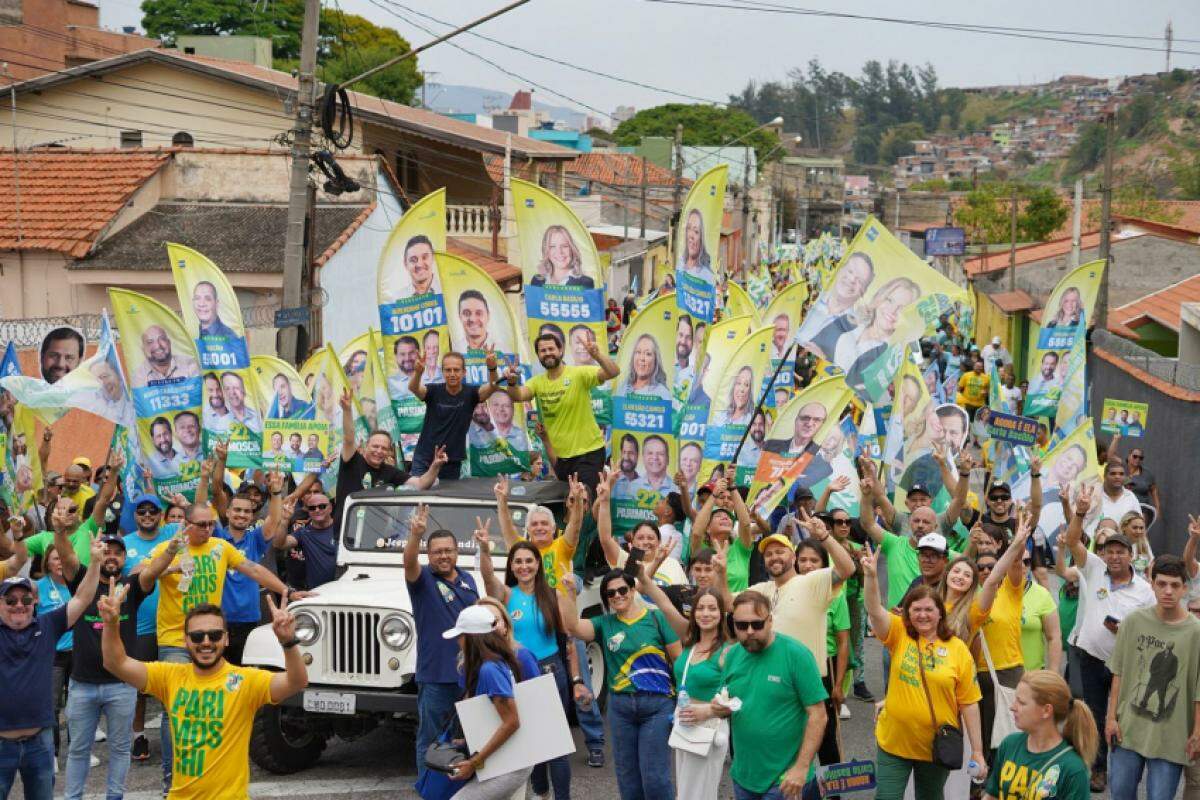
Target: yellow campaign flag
(363, 366)
(906, 430)
(23, 466)
(292, 439)
(790, 450)
(738, 303)
(1066, 467)
(732, 410)
(212, 316)
(697, 244)
(783, 315)
(162, 370)
(1072, 302)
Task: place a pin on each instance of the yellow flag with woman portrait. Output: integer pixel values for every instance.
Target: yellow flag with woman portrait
(738, 303)
(697, 244)
(881, 298)
(1068, 310)
(733, 410)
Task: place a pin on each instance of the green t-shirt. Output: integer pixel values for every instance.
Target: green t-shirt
(837, 619)
(635, 652)
(776, 687)
(81, 542)
(1018, 774)
(737, 565)
(1037, 604)
(1068, 610)
(703, 677)
(1159, 665)
(566, 408)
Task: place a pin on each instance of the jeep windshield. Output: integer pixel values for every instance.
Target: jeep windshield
(384, 527)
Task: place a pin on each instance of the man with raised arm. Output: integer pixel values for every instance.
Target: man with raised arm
(448, 409)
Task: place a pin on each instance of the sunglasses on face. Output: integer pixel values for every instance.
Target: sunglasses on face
(206, 524)
(619, 591)
(1135, 458)
(148, 511)
(747, 624)
(24, 600)
(318, 506)
(837, 521)
(1000, 498)
(198, 637)
(985, 567)
(72, 509)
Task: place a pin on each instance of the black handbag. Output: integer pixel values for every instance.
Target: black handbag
(947, 739)
(445, 756)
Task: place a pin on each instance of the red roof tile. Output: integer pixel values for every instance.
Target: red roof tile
(501, 271)
(521, 101)
(1161, 306)
(67, 199)
(997, 260)
(1009, 302)
(620, 169)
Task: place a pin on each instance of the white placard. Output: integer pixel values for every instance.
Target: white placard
(543, 735)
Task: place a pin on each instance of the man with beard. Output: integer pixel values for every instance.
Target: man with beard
(160, 365)
(406, 352)
(93, 690)
(208, 765)
(27, 652)
(778, 729)
(234, 389)
(627, 474)
(565, 403)
(216, 414)
(165, 460)
(187, 430)
(62, 350)
(752, 447)
(684, 344)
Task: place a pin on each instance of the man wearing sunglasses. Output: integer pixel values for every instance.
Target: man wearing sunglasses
(317, 540)
(778, 728)
(93, 690)
(211, 703)
(27, 647)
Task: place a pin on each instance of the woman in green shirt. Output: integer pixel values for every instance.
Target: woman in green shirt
(698, 672)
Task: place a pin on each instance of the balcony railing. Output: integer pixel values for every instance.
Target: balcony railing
(469, 220)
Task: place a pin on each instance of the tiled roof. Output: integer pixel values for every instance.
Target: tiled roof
(997, 260)
(1161, 306)
(501, 271)
(620, 169)
(521, 101)
(416, 121)
(63, 201)
(1009, 302)
(238, 238)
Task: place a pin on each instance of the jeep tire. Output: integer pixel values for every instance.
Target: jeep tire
(281, 743)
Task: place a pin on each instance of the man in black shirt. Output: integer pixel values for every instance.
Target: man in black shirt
(448, 409)
(93, 690)
(374, 465)
(317, 540)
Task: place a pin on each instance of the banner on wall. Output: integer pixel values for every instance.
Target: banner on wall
(732, 412)
(644, 416)
(697, 244)
(880, 299)
(213, 317)
(163, 373)
(1068, 310)
(792, 447)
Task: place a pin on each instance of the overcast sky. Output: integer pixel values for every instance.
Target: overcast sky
(710, 53)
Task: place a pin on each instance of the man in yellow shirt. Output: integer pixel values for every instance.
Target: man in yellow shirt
(75, 481)
(557, 551)
(973, 388)
(565, 403)
(210, 702)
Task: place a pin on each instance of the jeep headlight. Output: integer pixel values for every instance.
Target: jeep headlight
(396, 632)
(307, 628)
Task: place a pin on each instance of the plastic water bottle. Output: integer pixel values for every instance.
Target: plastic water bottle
(682, 701)
(975, 771)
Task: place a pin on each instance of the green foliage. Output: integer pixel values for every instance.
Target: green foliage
(986, 213)
(1041, 214)
(1186, 169)
(1136, 197)
(349, 44)
(898, 141)
(1087, 151)
(981, 215)
(1024, 158)
(933, 185)
(706, 126)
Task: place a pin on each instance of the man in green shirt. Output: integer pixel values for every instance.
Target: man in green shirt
(65, 518)
(778, 728)
(564, 401)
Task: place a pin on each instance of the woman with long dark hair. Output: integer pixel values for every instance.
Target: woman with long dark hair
(537, 625)
(489, 668)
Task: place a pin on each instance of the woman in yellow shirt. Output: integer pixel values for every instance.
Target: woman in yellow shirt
(968, 602)
(930, 666)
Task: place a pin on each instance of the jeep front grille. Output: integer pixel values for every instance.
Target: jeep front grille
(352, 644)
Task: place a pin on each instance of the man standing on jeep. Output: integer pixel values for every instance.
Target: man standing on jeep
(438, 592)
(448, 410)
(374, 465)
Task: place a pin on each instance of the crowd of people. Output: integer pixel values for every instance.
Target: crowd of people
(732, 636)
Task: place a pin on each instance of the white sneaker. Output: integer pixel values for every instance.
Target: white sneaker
(94, 761)
(844, 713)
(101, 736)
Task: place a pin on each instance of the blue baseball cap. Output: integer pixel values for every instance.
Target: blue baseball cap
(15, 583)
(148, 498)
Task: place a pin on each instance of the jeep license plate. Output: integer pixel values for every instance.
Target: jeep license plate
(329, 702)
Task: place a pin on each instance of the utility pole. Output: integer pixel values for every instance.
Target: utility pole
(1170, 39)
(1076, 222)
(295, 255)
(1012, 241)
(678, 166)
(643, 197)
(745, 211)
(1106, 220)
(425, 76)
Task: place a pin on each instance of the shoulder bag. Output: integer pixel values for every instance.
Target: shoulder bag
(947, 739)
(695, 739)
(1003, 722)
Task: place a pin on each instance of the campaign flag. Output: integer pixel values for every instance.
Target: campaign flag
(697, 244)
(905, 423)
(880, 299)
(162, 369)
(412, 308)
(644, 416)
(783, 315)
(758, 286)
(212, 315)
(791, 452)
(133, 472)
(940, 428)
(1068, 310)
(733, 408)
(1067, 466)
(362, 363)
(480, 318)
(293, 438)
(738, 303)
(23, 480)
(1072, 402)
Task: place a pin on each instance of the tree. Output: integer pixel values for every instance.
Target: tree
(703, 125)
(1041, 214)
(898, 141)
(1137, 198)
(1186, 169)
(281, 21)
(981, 215)
(1024, 158)
(1087, 151)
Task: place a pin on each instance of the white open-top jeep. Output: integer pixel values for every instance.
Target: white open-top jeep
(358, 636)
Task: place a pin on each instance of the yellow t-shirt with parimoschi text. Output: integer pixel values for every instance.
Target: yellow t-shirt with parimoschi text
(211, 561)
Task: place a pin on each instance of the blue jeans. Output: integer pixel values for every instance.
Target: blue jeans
(590, 721)
(172, 655)
(450, 471)
(557, 771)
(435, 704)
(85, 703)
(811, 792)
(1125, 769)
(34, 759)
(640, 725)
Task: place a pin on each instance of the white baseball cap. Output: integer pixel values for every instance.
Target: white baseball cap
(472, 621)
(932, 541)
(996, 340)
